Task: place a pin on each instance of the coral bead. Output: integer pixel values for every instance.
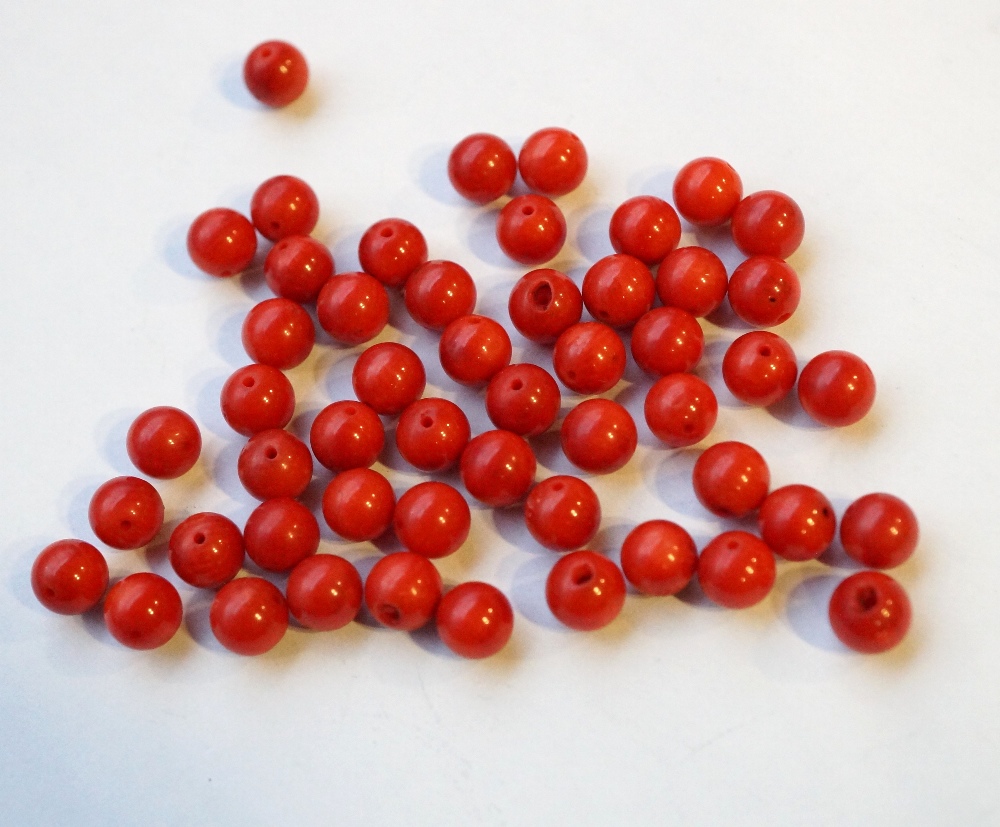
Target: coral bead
(736, 570)
(759, 368)
(284, 206)
(768, 223)
(297, 267)
(544, 303)
(585, 591)
(482, 167)
(474, 620)
(692, 279)
(562, 513)
(870, 612)
(432, 433)
(257, 398)
(275, 463)
(659, 557)
(473, 349)
(764, 291)
(69, 577)
(278, 332)
(353, 308)
(498, 468)
(126, 513)
(347, 435)
(531, 229)
(707, 191)
(598, 436)
(432, 519)
(402, 591)
(836, 388)
(206, 550)
(221, 242)
(524, 399)
(387, 377)
(618, 289)
(680, 410)
(645, 227)
(391, 249)
(143, 611)
(731, 479)
(552, 161)
(438, 292)
(163, 443)
(880, 531)
(280, 533)
(797, 522)
(249, 616)
(667, 340)
(276, 73)
(589, 358)
(358, 504)
(324, 592)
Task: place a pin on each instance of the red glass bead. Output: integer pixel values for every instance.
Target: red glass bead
(353, 308)
(206, 550)
(680, 410)
(585, 591)
(797, 522)
(438, 292)
(391, 249)
(764, 291)
(69, 577)
(598, 436)
(358, 504)
(387, 377)
(618, 289)
(692, 279)
(759, 368)
(731, 479)
(736, 570)
(126, 513)
(432, 519)
(659, 557)
(257, 398)
(482, 167)
(249, 616)
(432, 433)
(836, 388)
(562, 513)
(706, 191)
(278, 332)
(163, 443)
(543, 304)
(221, 242)
(402, 591)
(276, 73)
(589, 357)
(297, 267)
(667, 340)
(275, 463)
(474, 620)
(284, 206)
(324, 592)
(524, 399)
(280, 533)
(552, 161)
(473, 349)
(880, 531)
(498, 468)
(143, 611)
(768, 223)
(347, 435)
(870, 612)
(531, 229)
(645, 227)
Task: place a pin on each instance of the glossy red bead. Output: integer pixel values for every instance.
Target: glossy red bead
(482, 167)
(249, 616)
(880, 531)
(589, 358)
(836, 388)
(531, 229)
(324, 592)
(585, 591)
(707, 191)
(275, 463)
(764, 291)
(276, 73)
(358, 504)
(543, 304)
(297, 267)
(680, 410)
(69, 577)
(474, 620)
(257, 398)
(524, 399)
(731, 479)
(759, 368)
(498, 468)
(659, 557)
(347, 435)
(163, 442)
(618, 289)
(402, 591)
(432, 433)
(206, 550)
(126, 513)
(353, 308)
(692, 279)
(143, 611)
(645, 227)
(284, 206)
(797, 522)
(278, 332)
(280, 533)
(552, 161)
(438, 292)
(473, 349)
(736, 570)
(598, 436)
(387, 377)
(667, 340)
(870, 612)
(432, 519)
(221, 242)
(391, 249)
(562, 513)
(768, 223)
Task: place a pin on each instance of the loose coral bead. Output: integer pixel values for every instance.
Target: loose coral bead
(353, 308)
(126, 513)
(257, 398)
(278, 332)
(284, 206)
(297, 267)
(498, 468)
(659, 557)
(589, 358)
(275, 463)
(473, 349)
(482, 167)
(474, 620)
(324, 592)
(585, 591)
(402, 591)
(531, 229)
(736, 570)
(438, 292)
(598, 436)
(880, 531)
(358, 504)
(221, 242)
(276, 73)
(347, 435)
(249, 616)
(870, 612)
(562, 513)
(163, 442)
(432, 519)
(836, 388)
(764, 291)
(280, 533)
(768, 223)
(707, 191)
(543, 304)
(667, 340)
(387, 377)
(391, 249)
(143, 611)
(432, 433)
(692, 279)
(645, 227)
(759, 368)
(524, 399)
(618, 290)
(69, 577)
(797, 522)
(680, 410)
(206, 550)
(552, 161)
(731, 479)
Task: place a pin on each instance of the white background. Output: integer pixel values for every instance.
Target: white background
(122, 121)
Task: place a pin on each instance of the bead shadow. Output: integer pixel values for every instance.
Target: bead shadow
(508, 523)
(74, 502)
(692, 595)
(345, 250)
(172, 240)
(206, 390)
(591, 235)
(807, 605)
(427, 638)
(724, 317)
(227, 478)
(527, 593)
(668, 473)
(430, 167)
(229, 81)
(18, 580)
(196, 621)
(227, 326)
(111, 433)
(480, 236)
(658, 181)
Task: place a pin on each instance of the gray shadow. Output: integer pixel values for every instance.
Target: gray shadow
(671, 476)
(807, 610)
(482, 239)
(431, 167)
(111, 434)
(528, 591)
(592, 234)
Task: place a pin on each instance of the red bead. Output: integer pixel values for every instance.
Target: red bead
(543, 304)
(324, 592)
(764, 291)
(274, 464)
(659, 557)
(552, 161)
(387, 377)
(358, 504)
(692, 279)
(347, 435)
(206, 550)
(706, 191)
(531, 229)
(297, 268)
(618, 289)
(680, 410)
(432, 433)
(836, 388)
(731, 479)
(257, 398)
(432, 519)
(143, 611)
(163, 443)
(645, 227)
(221, 242)
(759, 368)
(498, 468)
(249, 616)
(474, 620)
(482, 167)
(524, 399)
(736, 570)
(880, 531)
(391, 249)
(589, 357)
(473, 349)
(284, 206)
(69, 577)
(667, 340)
(562, 513)
(870, 612)
(353, 308)
(768, 223)
(276, 73)
(126, 513)
(402, 591)
(280, 533)
(585, 591)
(598, 436)
(278, 332)
(438, 292)
(797, 522)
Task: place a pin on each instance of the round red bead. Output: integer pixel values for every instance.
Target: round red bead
(473, 349)
(764, 291)
(692, 279)
(324, 592)
(387, 377)
(585, 591)
(524, 399)
(206, 550)
(736, 570)
(659, 557)
(297, 267)
(797, 522)
(143, 611)
(552, 161)
(284, 206)
(280, 533)
(249, 616)
(667, 340)
(707, 191)
(278, 332)
(347, 435)
(438, 292)
(531, 229)
(562, 513)
(275, 463)
(126, 513)
(544, 303)
(257, 398)
(474, 620)
(432, 519)
(163, 442)
(276, 73)
(731, 479)
(358, 504)
(870, 612)
(645, 227)
(498, 468)
(432, 433)
(836, 388)
(589, 357)
(680, 410)
(353, 308)
(768, 223)
(482, 167)
(618, 289)
(880, 531)
(69, 577)
(598, 436)
(221, 242)
(759, 368)
(402, 591)
(391, 249)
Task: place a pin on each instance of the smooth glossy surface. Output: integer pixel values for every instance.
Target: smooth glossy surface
(275, 463)
(249, 616)
(297, 267)
(759, 368)
(391, 249)
(276, 73)
(585, 591)
(221, 242)
(432, 519)
(163, 442)
(764, 291)
(797, 522)
(768, 223)
(552, 161)
(543, 304)
(659, 557)
(667, 340)
(387, 377)
(69, 577)
(402, 591)
(358, 504)
(618, 290)
(870, 612)
(680, 410)
(347, 435)
(206, 550)
(524, 399)
(432, 433)
(353, 308)
(280, 533)
(562, 513)
(731, 479)
(143, 611)
(707, 191)
(498, 468)
(836, 388)
(880, 531)
(438, 292)
(589, 358)
(531, 229)
(257, 398)
(736, 570)
(284, 206)
(598, 436)
(324, 592)
(278, 332)
(126, 513)
(473, 349)
(645, 227)
(474, 620)
(692, 279)
(482, 167)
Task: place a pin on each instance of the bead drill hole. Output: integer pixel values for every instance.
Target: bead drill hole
(49, 592)
(688, 428)
(388, 613)
(527, 210)
(126, 524)
(582, 575)
(771, 299)
(541, 296)
(199, 538)
(266, 53)
(571, 374)
(350, 411)
(426, 421)
(271, 453)
(826, 512)
(732, 545)
(867, 598)
(557, 487)
(275, 225)
(386, 232)
(765, 351)
(516, 385)
(248, 382)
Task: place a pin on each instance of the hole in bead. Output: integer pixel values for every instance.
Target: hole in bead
(527, 209)
(771, 299)
(558, 486)
(582, 575)
(867, 598)
(248, 381)
(275, 225)
(541, 296)
(266, 53)
(386, 232)
(350, 410)
(516, 385)
(126, 524)
(199, 538)
(825, 512)
(388, 613)
(765, 351)
(426, 421)
(271, 452)
(571, 374)
(688, 428)
(732, 545)
(49, 592)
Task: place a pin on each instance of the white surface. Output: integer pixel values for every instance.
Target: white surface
(122, 121)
